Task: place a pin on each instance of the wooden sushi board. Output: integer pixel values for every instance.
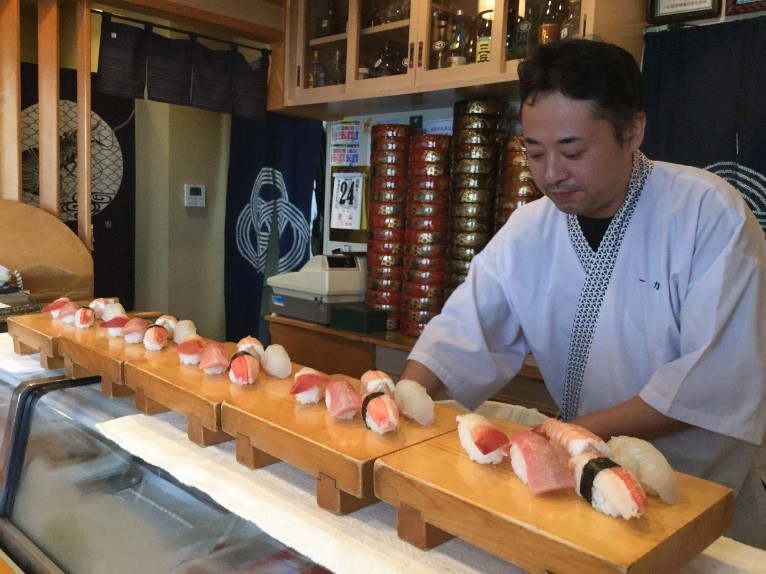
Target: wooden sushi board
(38, 332)
(270, 425)
(439, 492)
(161, 382)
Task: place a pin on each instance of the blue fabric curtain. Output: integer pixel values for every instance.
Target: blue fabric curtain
(273, 166)
(706, 102)
(121, 60)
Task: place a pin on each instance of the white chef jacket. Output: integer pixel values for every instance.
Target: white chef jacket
(682, 324)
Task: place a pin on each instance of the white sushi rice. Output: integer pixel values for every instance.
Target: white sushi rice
(518, 463)
(310, 396)
(134, 338)
(218, 370)
(69, 319)
(114, 331)
(188, 359)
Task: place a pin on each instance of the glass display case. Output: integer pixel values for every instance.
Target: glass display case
(74, 502)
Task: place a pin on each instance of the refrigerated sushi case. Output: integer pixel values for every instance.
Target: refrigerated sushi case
(72, 501)
(324, 281)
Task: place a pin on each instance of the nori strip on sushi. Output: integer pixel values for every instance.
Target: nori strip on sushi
(589, 472)
(366, 401)
(238, 354)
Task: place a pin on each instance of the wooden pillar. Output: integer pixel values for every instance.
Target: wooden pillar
(48, 90)
(84, 230)
(10, 99)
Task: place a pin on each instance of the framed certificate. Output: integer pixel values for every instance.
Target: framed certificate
(675, 11)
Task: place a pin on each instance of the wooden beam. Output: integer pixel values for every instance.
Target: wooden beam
(10, 99)
(48, 90)
(181, 13)
(84, 230)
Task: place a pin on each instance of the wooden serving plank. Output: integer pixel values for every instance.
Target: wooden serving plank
(39, 333)
(438, 491)
(93, 351)
(270, 425)
(161, 382)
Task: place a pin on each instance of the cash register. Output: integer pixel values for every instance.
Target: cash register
(323, 282)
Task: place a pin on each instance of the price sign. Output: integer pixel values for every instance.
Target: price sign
(346, 207)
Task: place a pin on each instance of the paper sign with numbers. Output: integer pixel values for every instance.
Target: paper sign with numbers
(346, 212)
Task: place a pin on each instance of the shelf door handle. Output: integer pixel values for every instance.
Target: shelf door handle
(412, 54)
(420, 54)
(298, 78)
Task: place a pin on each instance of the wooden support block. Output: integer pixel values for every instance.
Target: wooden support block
(412, 527)
(74, 370)
(47, 362)
(203, 436)
(337, 501)
(22, 349)
(147, 405)
(252, 457)
(114, 390)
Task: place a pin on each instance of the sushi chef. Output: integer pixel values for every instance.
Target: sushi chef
(637, 285)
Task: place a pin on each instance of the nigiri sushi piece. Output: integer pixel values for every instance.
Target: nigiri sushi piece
(482, 441)
(607, 486)
(376, 381)
(244, 368)
(540, 464)
(380, 413)
(99, 304)
(213, 359)
(571, 437)
(414, 402)
(190, 349)
(309, 386)
(185, 328)
(112, 310)
(84, 317)
(55, 306)
(114, 325)
(648, 465)
(66, 313)
(276, 361)
(341, 399)
(167, 321)
(251, 345)
(134, 329)
(155, 337)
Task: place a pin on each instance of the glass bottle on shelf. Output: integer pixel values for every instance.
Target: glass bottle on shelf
(317, 76)
(470, 41)
(512, 23)
(483, 36)
(552, 15)
(570, 28)
(337, 73)
(328, 23)
(440, 47)
(388, 63)
(457, 45)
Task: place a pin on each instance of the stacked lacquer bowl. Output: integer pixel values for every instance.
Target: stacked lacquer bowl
(425, 251)
(517, 186)
(480, 128)
(389, 162)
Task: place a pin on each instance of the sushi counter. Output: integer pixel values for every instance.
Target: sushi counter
(347, 498)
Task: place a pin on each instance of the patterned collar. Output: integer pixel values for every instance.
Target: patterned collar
(598, 268)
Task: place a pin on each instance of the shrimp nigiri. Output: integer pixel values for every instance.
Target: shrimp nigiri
(571, 437)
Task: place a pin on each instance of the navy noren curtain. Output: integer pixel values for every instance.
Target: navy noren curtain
(706, 102)
(272, 169)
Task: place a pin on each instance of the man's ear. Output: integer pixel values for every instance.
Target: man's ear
(634, 133)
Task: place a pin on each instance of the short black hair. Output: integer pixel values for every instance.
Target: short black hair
(584, 69)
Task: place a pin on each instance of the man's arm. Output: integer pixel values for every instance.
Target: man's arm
(631, 418)
(420, 373)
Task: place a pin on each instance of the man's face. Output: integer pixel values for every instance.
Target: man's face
(575, 158)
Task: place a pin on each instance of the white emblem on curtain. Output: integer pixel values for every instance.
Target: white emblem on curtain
(256, 218)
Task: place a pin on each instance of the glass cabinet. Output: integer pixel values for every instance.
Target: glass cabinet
(74, 502)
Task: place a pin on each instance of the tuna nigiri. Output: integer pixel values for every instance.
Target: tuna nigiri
(190, 349)
(185, 328)
(134, 329)
(414, 403)
(539, 464)
(84, 318)
(571, 437)
(647, 464)
(244, 368)
(114, 325)
(309, 386)
(607, 486)
(155, 337)
(213, 359)
(54, 307)
(342, 400)
(66, 313)
(251, 345)
(380, 413)
(482, 441)
(376, 381)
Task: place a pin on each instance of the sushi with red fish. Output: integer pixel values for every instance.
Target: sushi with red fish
(309, 386)
(55, 306)
(190, 349)
(541, 465)
(341, 399)
(134, 329)
(213, 359)
(66, 313)
(482, 441)
(84, 318)
(155, 337)
(115, 325)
